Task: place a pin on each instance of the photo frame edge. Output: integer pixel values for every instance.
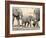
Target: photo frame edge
(7, 21)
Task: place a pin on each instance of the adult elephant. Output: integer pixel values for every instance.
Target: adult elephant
(17, 13)
(37, 13)
(37, 19)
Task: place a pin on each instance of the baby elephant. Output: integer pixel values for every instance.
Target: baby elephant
(26, 21)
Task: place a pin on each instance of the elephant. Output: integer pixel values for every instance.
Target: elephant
(26, 20)
(17, 13)
(37, 13)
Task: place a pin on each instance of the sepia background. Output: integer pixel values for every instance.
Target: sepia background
(25, 13)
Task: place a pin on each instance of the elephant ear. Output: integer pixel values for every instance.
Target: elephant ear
(15, 11)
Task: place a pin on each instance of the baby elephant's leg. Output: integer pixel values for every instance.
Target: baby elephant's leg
(27, 24)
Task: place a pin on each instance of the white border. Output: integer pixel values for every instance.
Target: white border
(30, 31)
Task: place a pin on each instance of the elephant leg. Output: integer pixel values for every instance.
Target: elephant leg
(18, 22)
(23, 24)
(37, 25)
(27, 24)
(34, 24)
(13, 21)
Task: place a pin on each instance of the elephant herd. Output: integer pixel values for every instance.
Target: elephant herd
(26, 20)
